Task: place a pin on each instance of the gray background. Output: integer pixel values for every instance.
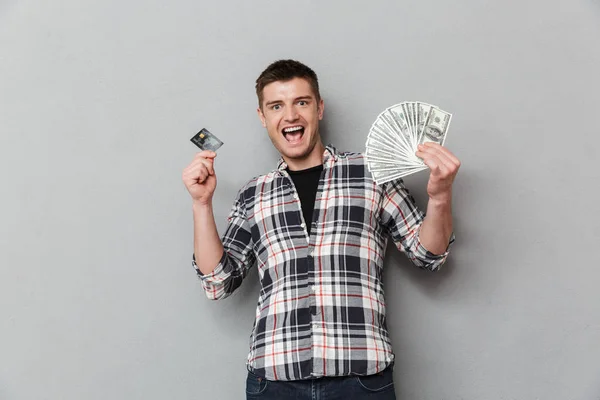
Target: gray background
(98, 101)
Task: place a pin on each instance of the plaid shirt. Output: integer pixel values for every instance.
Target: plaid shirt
(321, 308)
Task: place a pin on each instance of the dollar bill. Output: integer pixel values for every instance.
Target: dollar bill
(381, 177)
(384, 166)
(378, 155)
(398, 116)
(392, 141)
(435, 126)
(383, 129)
(395, 120)
(381, 141)
(423, 110)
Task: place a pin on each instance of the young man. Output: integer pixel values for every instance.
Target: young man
(317, 228)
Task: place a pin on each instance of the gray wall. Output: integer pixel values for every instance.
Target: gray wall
(98, 101)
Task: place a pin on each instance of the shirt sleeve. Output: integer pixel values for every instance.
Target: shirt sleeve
(402, 218)
(237, 257)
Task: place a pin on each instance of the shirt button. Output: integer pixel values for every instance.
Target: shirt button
(303, 225)
(312, 288)
(295, 196)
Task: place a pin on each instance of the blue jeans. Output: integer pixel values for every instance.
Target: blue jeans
(379, 386)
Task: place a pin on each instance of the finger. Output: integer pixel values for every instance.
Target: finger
(191, 175)
(433, 162)
(448, 155)
(208, 163)
(425, 152)
(443, 150)
(439, 152)
(194, 170)
(206, 154)
(202, 174)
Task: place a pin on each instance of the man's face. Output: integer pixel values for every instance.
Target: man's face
(291, 114)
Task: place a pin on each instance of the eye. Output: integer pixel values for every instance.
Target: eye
(302, 102)
(276, 107)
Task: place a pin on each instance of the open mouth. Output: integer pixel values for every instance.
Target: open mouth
(293, 134)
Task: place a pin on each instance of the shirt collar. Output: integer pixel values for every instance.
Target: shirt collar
(330, 155)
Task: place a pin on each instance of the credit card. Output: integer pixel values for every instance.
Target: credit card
(206, 140)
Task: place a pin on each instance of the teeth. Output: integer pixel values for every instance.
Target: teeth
(293, 129)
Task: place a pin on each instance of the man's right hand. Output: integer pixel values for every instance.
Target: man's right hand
(199, 177)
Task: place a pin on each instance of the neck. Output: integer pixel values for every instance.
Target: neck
(311, 160)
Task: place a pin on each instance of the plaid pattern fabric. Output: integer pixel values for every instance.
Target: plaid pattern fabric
(321, 308)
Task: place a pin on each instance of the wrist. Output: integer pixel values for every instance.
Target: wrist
(203, 205)
(444, 200)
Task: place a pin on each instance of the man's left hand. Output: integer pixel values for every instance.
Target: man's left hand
(443, 166)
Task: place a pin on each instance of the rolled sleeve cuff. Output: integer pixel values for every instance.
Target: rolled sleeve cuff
(218, 275)
(430, 260)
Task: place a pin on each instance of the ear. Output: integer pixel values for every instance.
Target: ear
(262, 117)
(321, 108)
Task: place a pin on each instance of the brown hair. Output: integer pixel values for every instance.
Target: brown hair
(285, 70)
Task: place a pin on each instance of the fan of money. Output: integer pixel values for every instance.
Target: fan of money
(393, 138)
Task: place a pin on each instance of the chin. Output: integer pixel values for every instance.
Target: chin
(298, 152)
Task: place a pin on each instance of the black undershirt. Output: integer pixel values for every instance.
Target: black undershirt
(306, 182)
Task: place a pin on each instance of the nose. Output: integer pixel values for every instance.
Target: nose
(291, 114)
